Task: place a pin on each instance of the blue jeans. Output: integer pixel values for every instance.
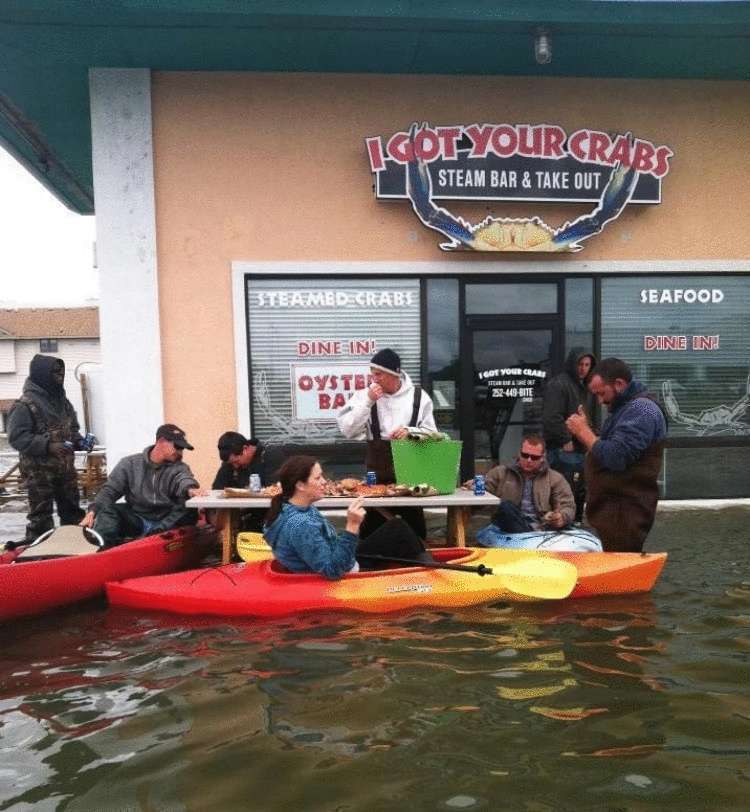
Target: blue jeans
(509, 518)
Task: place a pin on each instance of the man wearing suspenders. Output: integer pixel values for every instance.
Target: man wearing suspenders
(384, 412)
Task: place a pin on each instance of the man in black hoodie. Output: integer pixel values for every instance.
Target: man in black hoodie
(565, 393)
(43, 428)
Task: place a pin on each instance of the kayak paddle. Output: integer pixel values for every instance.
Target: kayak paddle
(536, 577)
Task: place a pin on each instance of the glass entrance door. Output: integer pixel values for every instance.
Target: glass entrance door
(503, 386)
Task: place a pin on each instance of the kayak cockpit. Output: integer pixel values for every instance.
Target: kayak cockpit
(460, 555)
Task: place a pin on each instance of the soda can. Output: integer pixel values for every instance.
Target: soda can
(255, 485)
(371, 479)
(479, 489)
(88, 442)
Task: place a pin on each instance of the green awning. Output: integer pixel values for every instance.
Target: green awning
(48, 46)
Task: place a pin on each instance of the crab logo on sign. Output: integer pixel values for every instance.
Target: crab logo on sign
(516, 162)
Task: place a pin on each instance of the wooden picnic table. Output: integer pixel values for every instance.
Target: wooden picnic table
(459, 505)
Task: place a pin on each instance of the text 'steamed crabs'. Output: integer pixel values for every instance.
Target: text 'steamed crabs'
(515, 234)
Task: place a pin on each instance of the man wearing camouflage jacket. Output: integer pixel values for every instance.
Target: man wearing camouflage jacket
(43, 428)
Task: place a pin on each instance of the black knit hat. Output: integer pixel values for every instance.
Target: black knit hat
(387, 360)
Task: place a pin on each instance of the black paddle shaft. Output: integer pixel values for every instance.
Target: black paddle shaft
(435, 565)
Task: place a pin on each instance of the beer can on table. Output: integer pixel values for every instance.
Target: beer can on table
(371, 479)
(479, 489)
(255, 486)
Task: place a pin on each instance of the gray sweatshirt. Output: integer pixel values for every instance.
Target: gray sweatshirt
(155, 492)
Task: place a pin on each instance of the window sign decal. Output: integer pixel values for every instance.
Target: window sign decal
(687, 341)
(311, 341)
(723, 419)
(516, 162)
(512, 382)
(319, 391)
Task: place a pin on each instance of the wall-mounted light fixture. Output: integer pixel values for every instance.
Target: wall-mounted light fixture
(542, 47)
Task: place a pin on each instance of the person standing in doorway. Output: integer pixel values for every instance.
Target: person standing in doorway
(383, 412)
(565, 393)
(43, 428)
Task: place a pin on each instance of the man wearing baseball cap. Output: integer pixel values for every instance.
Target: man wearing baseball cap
(155, 484)
(383, 412)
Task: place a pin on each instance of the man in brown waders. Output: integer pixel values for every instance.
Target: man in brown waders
(622, 465)
(384, 412)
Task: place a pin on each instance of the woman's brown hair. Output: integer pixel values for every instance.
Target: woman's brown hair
(295, 469)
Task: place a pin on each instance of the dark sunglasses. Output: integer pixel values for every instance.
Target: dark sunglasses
(534, 457)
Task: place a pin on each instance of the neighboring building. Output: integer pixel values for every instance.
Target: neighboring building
(248, 271)
(68, 333)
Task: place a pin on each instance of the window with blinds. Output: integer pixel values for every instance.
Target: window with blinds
(310, 343)
(688, 339)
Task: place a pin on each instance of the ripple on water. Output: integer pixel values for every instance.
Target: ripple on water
(622, 703)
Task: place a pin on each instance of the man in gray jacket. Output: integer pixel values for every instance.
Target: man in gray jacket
(532, 496)
(155, 484)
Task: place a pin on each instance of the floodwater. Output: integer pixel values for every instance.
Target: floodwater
(617, 704)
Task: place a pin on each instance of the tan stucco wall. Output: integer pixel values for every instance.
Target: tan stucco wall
(273, 167)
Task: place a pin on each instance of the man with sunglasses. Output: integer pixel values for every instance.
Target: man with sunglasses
(532, 495)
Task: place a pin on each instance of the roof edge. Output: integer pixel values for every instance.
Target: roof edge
(21, 139)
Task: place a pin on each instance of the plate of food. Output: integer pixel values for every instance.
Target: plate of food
(244, 493)
(239, 493)
(356, 487)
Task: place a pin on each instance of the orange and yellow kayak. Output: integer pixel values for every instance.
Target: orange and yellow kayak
(261, 588)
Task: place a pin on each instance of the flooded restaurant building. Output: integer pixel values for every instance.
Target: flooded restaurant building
(480, 187)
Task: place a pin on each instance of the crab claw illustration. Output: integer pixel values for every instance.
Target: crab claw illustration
(615, 197)
(419, 191)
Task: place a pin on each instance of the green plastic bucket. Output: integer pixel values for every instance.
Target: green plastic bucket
(433, 462)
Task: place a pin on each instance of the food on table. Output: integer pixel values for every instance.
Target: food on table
(236, 493)
(243, 493)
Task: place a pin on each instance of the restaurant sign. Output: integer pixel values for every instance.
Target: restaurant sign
(516, 162)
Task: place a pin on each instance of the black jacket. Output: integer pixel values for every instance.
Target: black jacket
(229, 477)
(50, 417)
(565, 393)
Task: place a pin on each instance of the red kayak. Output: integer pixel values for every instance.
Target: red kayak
(35, 586)
(262, 588)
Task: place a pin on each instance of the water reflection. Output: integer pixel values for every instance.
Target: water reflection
(600, 704)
